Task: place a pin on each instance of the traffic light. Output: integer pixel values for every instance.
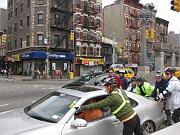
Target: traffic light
(72, 35)
(3, 38)
(147, 35)
(152, 34)
(175, 5)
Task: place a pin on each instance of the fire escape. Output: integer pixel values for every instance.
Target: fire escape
(61, 21)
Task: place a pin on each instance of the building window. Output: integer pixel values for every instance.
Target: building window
(21, 23)
(28, 3)
(127, 45)
(77, 50)
(78, 19)
(21, 7)
(91, 21)
(127, 21)
(27, 40)
(40, 18)
(15, 44)
(40, 39)
(84, 50)
(85, 20)
(78, 3)
(77, 35)
(98, 8)
(56, 40)
(98, 51)
(91, 51)
(91, 7)
(27, 20)
(91, 36)
(15, 11)
(15, 27)
(20, 42)
(85, 36)
(98, 21)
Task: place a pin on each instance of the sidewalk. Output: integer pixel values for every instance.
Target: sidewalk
(29, 78)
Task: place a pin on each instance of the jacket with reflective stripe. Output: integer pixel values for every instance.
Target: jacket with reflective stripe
(114, 101)
(146, 88)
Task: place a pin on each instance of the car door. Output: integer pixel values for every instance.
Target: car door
(105, 126)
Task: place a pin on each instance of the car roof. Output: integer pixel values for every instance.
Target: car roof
(82, 91)
(89, 90)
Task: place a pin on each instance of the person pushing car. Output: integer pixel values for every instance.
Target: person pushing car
(120, 106)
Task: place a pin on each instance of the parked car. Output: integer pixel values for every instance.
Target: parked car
(171, 130)
(89, 79)
(55, 114)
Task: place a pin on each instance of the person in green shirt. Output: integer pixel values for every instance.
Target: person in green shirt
(120, 106)
(143, 88)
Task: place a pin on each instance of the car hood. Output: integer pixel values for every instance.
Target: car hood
(17, 122)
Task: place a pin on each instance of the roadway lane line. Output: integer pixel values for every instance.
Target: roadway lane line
(6, 112)
(4, 105)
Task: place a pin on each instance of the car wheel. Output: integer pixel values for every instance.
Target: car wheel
(148, 127)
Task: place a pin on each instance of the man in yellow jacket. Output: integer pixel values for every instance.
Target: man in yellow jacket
(143, 88)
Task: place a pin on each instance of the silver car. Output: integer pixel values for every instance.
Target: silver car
(55, 113)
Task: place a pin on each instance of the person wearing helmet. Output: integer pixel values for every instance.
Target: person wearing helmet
(160, 84)
(123, 80)
(113, 75)
(172, 94)
(120, 106)
(143, 88)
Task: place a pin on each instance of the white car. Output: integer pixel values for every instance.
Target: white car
(54, 114)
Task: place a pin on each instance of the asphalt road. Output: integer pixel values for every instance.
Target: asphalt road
(19, 94)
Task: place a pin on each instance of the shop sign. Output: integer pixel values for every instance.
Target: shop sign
(93, 62)
(57, 56)
(16, 57)
(25, 55)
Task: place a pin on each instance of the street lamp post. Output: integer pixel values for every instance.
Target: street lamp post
(114, 45)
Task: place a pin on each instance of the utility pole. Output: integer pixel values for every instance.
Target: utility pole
(114, 46)
(145, 17)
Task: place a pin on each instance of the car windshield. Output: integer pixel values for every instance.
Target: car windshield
(51, 108)
(85, 78)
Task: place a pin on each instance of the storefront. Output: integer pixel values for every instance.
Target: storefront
(84, 65)
(39, 59)
(16, 64)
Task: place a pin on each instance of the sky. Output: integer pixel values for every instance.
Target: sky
(162, 7)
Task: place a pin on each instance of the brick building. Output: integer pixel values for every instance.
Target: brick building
(38, 35)
(121, 18)
(87, 21)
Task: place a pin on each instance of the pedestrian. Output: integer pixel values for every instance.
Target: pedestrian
(172, 94)
(113, 75)
(160, 84)
(120, 107)
(123, 80)
(132, 85)
(143, 88)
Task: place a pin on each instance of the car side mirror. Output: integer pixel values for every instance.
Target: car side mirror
(79, 123)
